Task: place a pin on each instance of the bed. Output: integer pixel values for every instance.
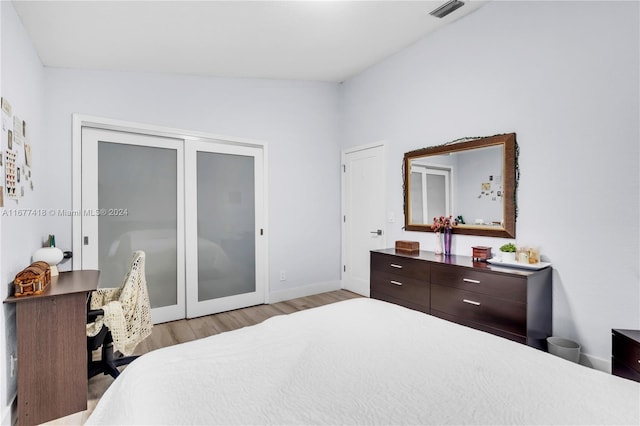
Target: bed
(362, 361)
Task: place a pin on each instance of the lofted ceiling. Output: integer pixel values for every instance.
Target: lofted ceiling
(302, 40)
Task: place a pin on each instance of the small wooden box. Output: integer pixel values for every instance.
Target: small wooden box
(407, 247)
(34, 279)
(481, 253)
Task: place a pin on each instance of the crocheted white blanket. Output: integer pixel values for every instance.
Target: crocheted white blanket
(127, 312)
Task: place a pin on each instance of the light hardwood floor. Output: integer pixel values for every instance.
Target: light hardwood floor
(181, 331)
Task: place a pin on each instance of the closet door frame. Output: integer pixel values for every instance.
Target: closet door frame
(196, 307)
(83, 120)
(91, 259)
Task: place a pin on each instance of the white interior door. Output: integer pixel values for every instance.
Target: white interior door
(226, 247)
(363, 228)
(133, 199)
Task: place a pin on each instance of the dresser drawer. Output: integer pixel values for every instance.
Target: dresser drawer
(498, 332)
(480, 308)
(626, 351)
(495, 285)
(401, 288)
(401, 266)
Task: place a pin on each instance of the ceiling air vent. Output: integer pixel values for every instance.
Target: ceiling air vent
(446, 8)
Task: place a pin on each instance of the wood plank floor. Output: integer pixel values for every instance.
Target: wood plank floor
(181, 331)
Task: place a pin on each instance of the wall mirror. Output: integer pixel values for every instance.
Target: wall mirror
(474, 181)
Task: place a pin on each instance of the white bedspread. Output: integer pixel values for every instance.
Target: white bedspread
(362, 361)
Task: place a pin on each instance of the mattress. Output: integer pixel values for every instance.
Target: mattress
(362, 361)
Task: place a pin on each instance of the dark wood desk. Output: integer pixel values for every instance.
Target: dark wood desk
(52, 348)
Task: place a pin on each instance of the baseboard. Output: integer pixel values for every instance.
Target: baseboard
(595, 362)
(9, 412)
(6, 416)
(307, 290)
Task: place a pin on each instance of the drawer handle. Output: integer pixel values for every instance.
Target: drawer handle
(471, 302)
(396, 282)
(469, 280)
(393, 265)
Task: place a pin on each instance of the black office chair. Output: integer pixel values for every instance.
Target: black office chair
(117, 320)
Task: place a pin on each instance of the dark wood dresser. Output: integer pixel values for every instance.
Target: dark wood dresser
(509, 302)
(625, 353)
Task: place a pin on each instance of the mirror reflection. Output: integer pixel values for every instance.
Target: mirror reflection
(467, 183)
(472, 181)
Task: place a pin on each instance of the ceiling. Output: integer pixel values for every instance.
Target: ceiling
(302, 40)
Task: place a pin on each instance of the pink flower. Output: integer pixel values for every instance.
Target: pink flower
(441, 223)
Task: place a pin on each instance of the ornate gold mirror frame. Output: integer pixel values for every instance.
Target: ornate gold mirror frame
(503, 188)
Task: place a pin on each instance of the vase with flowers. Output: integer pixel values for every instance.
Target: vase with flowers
(443, 224)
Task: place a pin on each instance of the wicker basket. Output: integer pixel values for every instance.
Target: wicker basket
(34, 279)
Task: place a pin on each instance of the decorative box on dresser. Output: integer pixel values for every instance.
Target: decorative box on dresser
(509, 302)
(625, 353)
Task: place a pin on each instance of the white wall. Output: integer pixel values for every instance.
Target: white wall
(23, 85)
(297, 120)
(564, 77)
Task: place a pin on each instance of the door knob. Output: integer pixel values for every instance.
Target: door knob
(378, 232)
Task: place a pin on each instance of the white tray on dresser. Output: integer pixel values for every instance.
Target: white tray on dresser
(534, 266)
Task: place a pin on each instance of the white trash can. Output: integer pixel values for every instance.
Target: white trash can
(564, 348)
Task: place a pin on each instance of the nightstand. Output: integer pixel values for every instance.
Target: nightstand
(625, 358)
